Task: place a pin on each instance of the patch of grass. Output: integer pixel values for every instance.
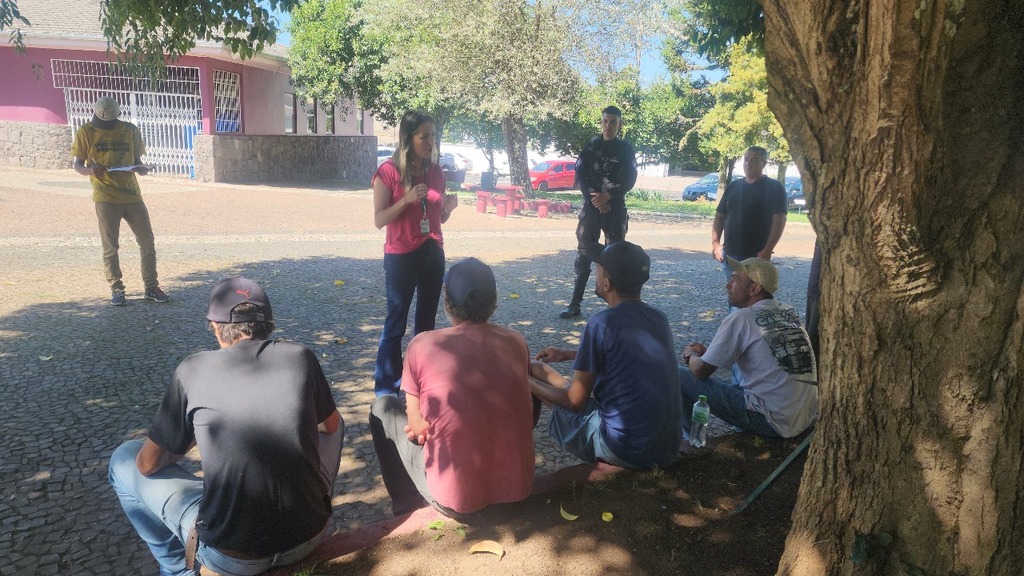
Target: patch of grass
(798, 217)
(640, 199)
(309, 571)
(644, 200)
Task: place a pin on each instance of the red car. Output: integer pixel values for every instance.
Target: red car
(552, 174)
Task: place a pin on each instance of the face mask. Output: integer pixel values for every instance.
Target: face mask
(103, 124)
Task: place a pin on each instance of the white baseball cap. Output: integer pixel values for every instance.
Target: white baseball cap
(107, 109)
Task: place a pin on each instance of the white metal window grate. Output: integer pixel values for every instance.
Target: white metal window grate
(113, 77)
(227, 101)
(167, 112)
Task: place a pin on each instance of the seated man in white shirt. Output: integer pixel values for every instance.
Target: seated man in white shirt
(774, 387)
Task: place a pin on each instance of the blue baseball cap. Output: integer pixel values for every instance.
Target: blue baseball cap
(468, 277)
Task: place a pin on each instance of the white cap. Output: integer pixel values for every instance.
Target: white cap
(107, 109)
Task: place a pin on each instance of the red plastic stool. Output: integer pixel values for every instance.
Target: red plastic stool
(542, 207)
(481, 201)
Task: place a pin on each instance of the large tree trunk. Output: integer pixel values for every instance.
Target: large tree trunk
(724, 175)
(906, 118)
(513, 126)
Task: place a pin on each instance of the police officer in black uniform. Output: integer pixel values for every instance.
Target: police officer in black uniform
(606, 171)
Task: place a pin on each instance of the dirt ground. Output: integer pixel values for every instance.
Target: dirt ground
(676, 521)
(68, 357)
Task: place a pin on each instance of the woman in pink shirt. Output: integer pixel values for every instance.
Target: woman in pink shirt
(409, 199)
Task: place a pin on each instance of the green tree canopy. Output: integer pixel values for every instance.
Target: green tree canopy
(11, 19)
(740, 117)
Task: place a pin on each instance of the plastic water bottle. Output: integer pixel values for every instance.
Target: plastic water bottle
(699, 419)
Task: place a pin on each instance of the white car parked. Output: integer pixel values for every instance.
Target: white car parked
(454, 161)
(383, 153)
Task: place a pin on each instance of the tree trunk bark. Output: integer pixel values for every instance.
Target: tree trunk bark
(513, 126)
(905, 118)
(724, 175)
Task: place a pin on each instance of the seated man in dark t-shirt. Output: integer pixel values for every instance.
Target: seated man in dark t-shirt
(262, 414)
(622, 405)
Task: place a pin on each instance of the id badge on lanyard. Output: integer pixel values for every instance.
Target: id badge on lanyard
(424, 222)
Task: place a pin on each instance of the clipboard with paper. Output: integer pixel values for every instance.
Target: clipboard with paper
(132, 168)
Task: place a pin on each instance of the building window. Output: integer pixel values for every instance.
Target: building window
(329, 119)
(361, 117)
(289, 113)
(227, 103)
(310, 106)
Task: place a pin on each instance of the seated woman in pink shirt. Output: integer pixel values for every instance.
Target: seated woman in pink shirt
(409, 199)
(465, 439)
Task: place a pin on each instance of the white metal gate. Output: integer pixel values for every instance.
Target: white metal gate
(168, 111)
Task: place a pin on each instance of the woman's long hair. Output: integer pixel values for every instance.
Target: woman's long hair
(411, 122)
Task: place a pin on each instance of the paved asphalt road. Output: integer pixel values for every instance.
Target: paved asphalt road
(78, 377)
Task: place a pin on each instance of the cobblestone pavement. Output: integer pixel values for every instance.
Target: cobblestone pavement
(78, 377)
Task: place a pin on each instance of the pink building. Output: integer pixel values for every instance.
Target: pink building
(215, 117)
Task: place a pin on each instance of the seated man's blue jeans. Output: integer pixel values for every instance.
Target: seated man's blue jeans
(163, 508)
(727, 401)
(579, 433)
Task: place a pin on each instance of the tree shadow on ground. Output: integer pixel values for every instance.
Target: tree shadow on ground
(77, 378)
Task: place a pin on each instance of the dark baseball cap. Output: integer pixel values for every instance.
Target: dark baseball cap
(229, 293)
(467, 277)
(626, 263)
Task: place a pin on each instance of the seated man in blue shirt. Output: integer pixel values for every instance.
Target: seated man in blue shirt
(623, 405)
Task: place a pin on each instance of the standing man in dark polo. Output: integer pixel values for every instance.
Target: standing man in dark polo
(606, 170)
(752, 212)
(109, 151)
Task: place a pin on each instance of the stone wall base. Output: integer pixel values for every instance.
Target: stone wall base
(288, 158)
(233, 159)
(34, 145)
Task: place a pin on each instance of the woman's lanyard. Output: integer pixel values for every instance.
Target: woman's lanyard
(424, 222)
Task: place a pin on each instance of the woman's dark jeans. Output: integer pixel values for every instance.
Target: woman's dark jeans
(420, 271)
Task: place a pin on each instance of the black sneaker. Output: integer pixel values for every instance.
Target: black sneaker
(157, 295)
(117, 298)
(571, 311)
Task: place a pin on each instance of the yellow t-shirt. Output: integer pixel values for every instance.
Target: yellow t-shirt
(119, 146)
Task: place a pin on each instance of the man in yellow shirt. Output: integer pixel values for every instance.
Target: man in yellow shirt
(100, 146)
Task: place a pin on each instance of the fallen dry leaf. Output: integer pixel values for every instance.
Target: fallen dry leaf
(339, 282)
(489, 546)
(45, 358)
(513, 295)
(607, 516)
(566, 515)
